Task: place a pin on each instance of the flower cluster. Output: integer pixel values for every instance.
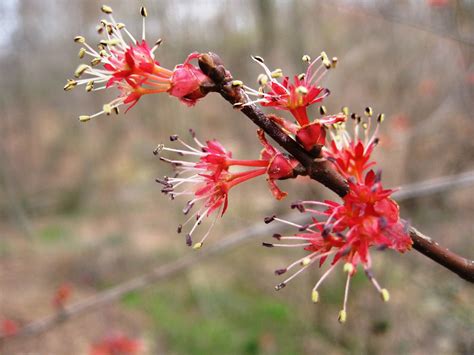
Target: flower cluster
(208, 178)
(276, 90)
(367, 216)
(206, 172)
(129, 65)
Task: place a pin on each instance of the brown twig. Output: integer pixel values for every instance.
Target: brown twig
(316, 167)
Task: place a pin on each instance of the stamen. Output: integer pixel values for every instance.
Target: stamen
(314, 293)
(384, 294)
(343, 313)
(144, 14)
(106, 9)
(284, 283)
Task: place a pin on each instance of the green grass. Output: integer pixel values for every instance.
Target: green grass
(219, 321)
(53, 233)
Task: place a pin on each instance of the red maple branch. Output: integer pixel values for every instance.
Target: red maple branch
(314, 165)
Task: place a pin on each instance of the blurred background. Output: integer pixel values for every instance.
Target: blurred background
(79, 205)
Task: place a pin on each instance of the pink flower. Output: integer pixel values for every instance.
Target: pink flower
(208, 179)
(294, 97)
(367, 217)
(130, 66)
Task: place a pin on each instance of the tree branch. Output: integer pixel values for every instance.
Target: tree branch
(318, 168)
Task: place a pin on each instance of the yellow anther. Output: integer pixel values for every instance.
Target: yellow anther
(305, 261)
(342, 316)
(306, 58)
(79, 39)
(349, 268)
(107, 109)
(120, 25)
(143, 11)
(315, 296)
(96, 61)
(262, 79)
(322, 110)
(158, 42)
(385, 295)
(333, 62)
(89, 86)
(302, 90)
(106, 9)
(301, 76)
(80, 70)
(103, 53)
(277, 73)
(104, 22)
(368, 111)
(81, 53)
(109, 42)
(84, 118)
(365, 125)
(237, 83)
(110, 29)
(381, 118)
(197, 246)
(325, 60)
(99, 29)
(70, 84)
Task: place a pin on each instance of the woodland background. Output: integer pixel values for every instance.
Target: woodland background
(78, 202)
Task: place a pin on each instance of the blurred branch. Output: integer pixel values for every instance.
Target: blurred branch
(429, 187)
(157, 274)
(235, 239)
(375, 13)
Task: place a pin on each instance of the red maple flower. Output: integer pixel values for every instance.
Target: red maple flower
(351, 155)
(116, 344)
(208, 180)
(311, 135)
(62, 295)
(367, 217)
(130, 66)
(296, 97)
(293, 96)
(8, 327)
